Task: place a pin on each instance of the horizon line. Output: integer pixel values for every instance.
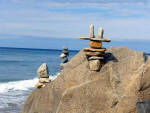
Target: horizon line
(36, 48)
(47, 49)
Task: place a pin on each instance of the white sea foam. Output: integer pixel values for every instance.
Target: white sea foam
(17, 85)
(54, 77)
(20, 85)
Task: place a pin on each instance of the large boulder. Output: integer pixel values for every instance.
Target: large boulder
(123, 81)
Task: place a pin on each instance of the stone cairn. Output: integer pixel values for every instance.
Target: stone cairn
(64, 56)
(95, 53)
(43, 74)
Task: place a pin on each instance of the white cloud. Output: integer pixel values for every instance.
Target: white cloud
(127, 20)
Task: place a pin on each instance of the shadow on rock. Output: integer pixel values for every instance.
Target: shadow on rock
(146, 57)
(110, 57)
(143, 107)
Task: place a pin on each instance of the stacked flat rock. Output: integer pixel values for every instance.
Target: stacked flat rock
(64, 56)
(95, 53)
(43, 74)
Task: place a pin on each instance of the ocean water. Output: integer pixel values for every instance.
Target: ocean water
(18, 74)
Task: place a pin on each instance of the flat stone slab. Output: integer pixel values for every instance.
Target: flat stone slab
(95, 58)
(44, 80)
(96, 39)
(95, 44)
(94, 53)
(96, 50)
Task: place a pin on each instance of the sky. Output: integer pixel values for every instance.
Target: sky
(34, 19)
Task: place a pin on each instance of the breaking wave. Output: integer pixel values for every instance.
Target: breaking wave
(20, 85)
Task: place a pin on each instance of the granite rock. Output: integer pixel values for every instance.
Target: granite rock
(116, 88)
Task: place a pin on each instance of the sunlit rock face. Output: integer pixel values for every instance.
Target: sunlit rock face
(123, 80)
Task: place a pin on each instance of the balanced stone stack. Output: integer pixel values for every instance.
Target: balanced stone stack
(43, 74)
(64, 56)
(95, 53)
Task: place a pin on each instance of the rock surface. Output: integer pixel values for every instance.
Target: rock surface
(121, 82)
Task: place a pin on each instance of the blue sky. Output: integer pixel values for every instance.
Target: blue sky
(121, 19)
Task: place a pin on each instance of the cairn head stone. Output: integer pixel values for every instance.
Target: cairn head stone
(65, 48)
(43, 71)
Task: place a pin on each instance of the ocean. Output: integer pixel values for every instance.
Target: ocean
(18, 74)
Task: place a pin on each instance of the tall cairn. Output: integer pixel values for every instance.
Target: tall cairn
(64, 56)
(43, 74)
(95, 54)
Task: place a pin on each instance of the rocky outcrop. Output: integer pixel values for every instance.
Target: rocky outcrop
(116, 88)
